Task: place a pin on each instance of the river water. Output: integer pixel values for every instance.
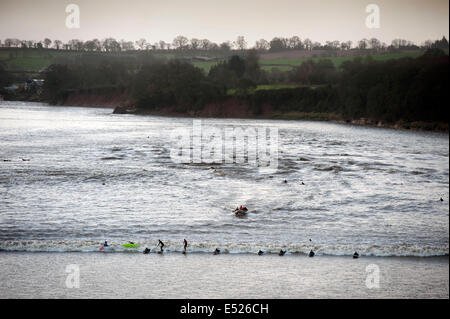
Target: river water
(73, 177)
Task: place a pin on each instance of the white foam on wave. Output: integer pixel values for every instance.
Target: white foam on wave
(231, 248)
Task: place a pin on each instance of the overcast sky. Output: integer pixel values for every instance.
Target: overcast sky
(218, 21)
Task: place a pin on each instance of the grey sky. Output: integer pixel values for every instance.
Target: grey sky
(218, 21)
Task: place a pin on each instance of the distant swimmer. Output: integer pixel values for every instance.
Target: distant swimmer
(311, 254)
(355, 255)
(160, 244)
(260, 252)
(303, 183)
(185, 244)
(146, 251)
(442, 199)
(285, 181)
(281, 253)
(217, 251)
(105, 244)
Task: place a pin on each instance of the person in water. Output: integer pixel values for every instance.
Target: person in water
(146, 250)
(185, 244)
(217, 251)
(260, 252)
(356, 255)
(311, 254)
(105, 244)
(160, 244)
(281, 253)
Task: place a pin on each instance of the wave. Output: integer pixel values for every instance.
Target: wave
(228, 248)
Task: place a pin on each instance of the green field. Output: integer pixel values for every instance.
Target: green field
(288, 64)
(205, 66)
(271, 87)
(35, 60)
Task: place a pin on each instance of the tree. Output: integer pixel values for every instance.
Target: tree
(262, 45)
(141, 43)
(76, 44)
(195, 44)
(175, 83)
(240, 43)
(237, 65)
(12, 43)
(346, 45)
(295, 42)
(252, 68)
(126, 45)
(5, 78)
(57, 44)
(180, 42)
(205, 44)
(47, 42)
(97, 44)
(375, 44)
(428, 44)
(110, 45)
(307, 44)
(89, 45)
(441, 44)
(362, 44)
(276, 44)
(225, 46)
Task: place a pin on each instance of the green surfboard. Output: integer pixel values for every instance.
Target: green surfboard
(130, 245)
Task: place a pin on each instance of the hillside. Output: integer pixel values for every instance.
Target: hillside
(37, 59)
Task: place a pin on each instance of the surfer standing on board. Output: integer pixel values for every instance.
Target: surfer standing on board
(161, 244)
(185, 245)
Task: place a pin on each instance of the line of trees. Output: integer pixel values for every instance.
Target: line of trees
(182, 43)
(408, 89)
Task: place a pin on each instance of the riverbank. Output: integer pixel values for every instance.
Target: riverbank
(239, 110)
(45, 275)
(121, 104)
